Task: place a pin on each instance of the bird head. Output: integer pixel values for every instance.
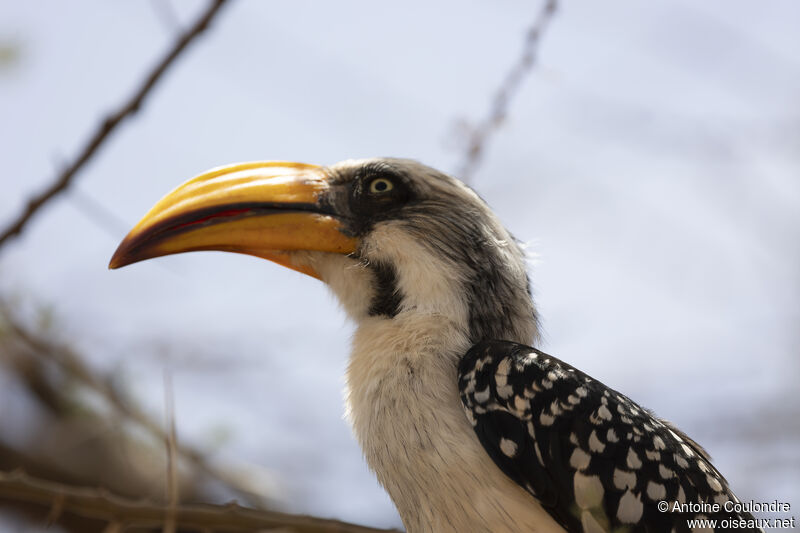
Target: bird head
(391, 237)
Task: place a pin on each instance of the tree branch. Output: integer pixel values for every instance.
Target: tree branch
(123, 512)
(479, 136)
(73, 365)
(110, 123)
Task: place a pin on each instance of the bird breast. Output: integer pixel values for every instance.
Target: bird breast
(403, 404)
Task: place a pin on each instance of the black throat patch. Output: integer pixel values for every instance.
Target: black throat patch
(387, 298)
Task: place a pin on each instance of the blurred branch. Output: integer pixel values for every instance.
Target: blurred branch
(110, 123)
(73, 365)
(172, 444)
(102, 217)
(479, 136)
(125, 513)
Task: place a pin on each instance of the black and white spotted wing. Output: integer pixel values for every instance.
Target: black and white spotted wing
(595, 459)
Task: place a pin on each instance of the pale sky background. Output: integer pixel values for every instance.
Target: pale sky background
(652, 160)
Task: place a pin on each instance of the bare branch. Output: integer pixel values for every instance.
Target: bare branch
(172, 469)
(107, 126)
(479, 136)
(73, 365)
(102, 217)
(126, 513)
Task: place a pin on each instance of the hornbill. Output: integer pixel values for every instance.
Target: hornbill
(467, 426)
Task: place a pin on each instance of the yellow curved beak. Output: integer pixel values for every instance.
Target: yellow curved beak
(266, 209)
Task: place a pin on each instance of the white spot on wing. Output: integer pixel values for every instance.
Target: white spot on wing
(679, 459)
(482, 396)
(508, 447)
(574, 400)
(594, 443)
(656, 491)
(504, 390)
(623, 479)
(588, 490)
(714, 483)
(469, 379)
(653, 455)
(630, 508)
(633, 460)
(579, 459)
(520, 404)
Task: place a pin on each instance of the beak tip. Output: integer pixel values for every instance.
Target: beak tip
(115, 262)
(122, 256)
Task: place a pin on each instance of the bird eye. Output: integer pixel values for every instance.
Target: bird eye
(380, 185)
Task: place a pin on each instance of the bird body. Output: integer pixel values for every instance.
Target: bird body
(466, 426)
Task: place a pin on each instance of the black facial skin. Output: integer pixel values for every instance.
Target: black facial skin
(391, 193)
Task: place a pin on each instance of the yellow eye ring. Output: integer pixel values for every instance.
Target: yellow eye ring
(380, 186)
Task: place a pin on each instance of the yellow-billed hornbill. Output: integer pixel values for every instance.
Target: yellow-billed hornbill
(467, 427)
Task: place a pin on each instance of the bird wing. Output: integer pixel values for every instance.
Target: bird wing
(595, 459)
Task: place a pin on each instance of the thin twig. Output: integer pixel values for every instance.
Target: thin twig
(172, 468)
(102, 217)
(73, 365)
(479, 136)
(102, 505)
(107, 126)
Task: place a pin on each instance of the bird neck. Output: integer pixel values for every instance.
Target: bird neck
(482, 289)
(402, 398)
